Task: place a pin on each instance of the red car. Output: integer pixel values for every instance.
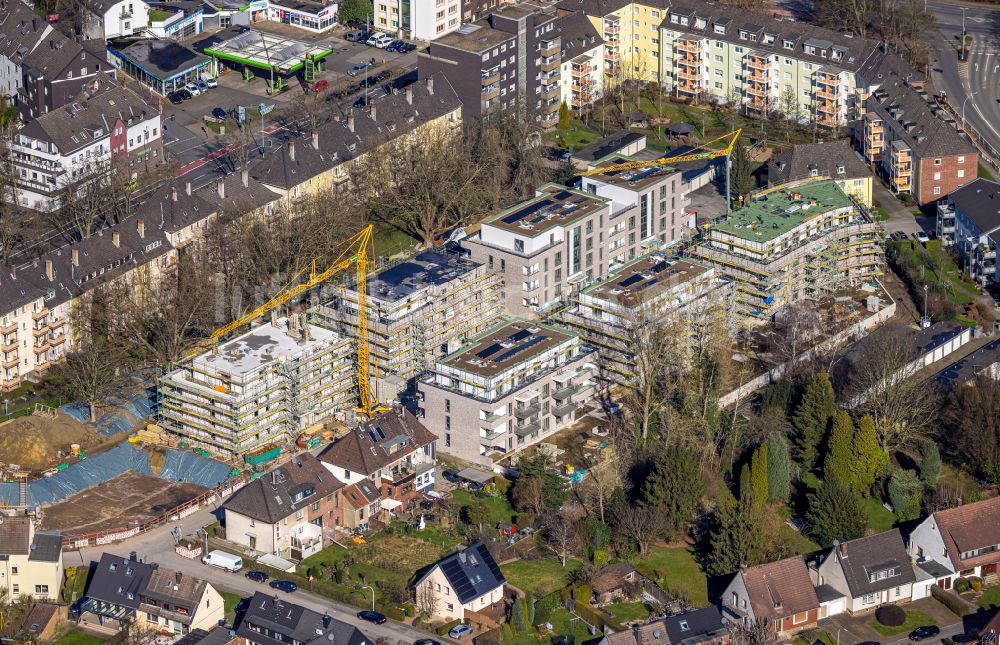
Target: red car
(320, 86)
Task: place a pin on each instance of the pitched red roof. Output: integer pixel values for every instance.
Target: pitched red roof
(970, 527)
(780, 589)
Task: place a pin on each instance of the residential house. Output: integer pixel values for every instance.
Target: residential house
(43, 623)
(614, 582)
(31, 564)
(269, 620)
(107, 19)
(114, 592)
(393, 450)
(835, 160)
(507, 62)
(174, 603)
(969, 220)
(362, 503)
(959, 542)
(697, 627)
(288, 511)
(780, 594)
(417, 19)
(21, 30)
(869, 572)
(462, 583)
(107, 125)
(55, 71)
(581, 75)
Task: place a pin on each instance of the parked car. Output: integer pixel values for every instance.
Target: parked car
(257, 576)
(406, 48)
(459, 631)
(924, 631)
(379, 40)
(963, 638)
(320, 86)
(284, 585)
(358, 35)
(210, 81)
(451, 476)
(185, 95)
(921, 237)
(357, 70)
(175, 98)
(426, 641)
(376, 617)
(394, 45)
(193, 88)
(202, 85)
(219, 113)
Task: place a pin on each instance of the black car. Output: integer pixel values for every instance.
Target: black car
(925, 631)
(185, 95)
(175, 98)
(257, 576)
(406, 48)
(219, 113)
(376, 617)
(426, 641)
(284, 585)
(869, 643)
(451, 476)
(963, 638)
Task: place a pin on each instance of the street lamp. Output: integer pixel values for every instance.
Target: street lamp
(963, 106)
(962, 57)
(838, 635)
(369, 587)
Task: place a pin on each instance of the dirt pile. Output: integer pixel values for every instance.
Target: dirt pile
(34, 442)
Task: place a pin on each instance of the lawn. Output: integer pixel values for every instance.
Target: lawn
(625, 612)
(879, 519)
(677, 571)
(795, 541)
(990, 598)
(390, 241)
(563, 623)
(156, 15)
(540, 577)
(984, 172)
(75, 637)
(500, 509)
(230, 600)
(577, 136)
(913, 620)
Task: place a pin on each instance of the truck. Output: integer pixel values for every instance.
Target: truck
(223, 560)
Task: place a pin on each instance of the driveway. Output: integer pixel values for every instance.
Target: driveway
(855, 629)
(900, 216)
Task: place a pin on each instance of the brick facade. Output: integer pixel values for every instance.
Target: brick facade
(951, 173)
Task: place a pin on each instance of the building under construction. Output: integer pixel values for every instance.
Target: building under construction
(262, 387)
(677, 295)
(418, 310)
(797, 242)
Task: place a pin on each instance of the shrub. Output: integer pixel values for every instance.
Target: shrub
(977, 584)
(962, 585)
(950, 600)
(890, 615)
(447, 627)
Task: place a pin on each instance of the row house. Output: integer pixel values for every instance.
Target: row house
(31, 563)
(969, 221)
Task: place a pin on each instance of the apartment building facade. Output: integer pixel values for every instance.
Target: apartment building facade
(801, 242)
(55, 71)
(631, 34)
(969, 221)
(107, 19)
(510, 387)
(260, 388)
(912, 144)
(106, 126)
(582, 73)
(418, 19)
(418, 310)
(31, 563)
(507, 62)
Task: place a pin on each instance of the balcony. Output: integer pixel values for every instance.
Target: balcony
(758, 77)
(582, 86)
(550, 63)
(527, 429)
(827, 107)
(491, 77)
(38, 315)
(828, 121)
(550, 91)
(9, 362)
(8, 329)
(761, 64)
(690, 76)
(689, 87)
(526, 411)
(549, 48)
(831, 96)
(825, 79)
(44, 165)
(491, 92)
(756, 103)
(755, 90)
(40, 348)
(564, 392)
(611, 55)
(56, 341)
(581, 72)
(690, 46)
(566, 408)
(612, 27)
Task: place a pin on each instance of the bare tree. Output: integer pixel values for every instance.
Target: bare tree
(11, 234)
(426, 600)
(86, 199)
(561, 534)
(604, 478)
(640, 523)
(754, 632)
(91, 371)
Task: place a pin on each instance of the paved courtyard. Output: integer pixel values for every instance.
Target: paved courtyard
(855, 629)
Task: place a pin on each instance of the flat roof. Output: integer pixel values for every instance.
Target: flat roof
(304, 6)
(429, 268)
(779, 212)
(264, 50)
(927, 340)
(259, 347)
(163, 59)
(508, 344)
(557, 206)
(635, 179)
(645, 278)
(474, 37)
(609, 145)
(969, 367)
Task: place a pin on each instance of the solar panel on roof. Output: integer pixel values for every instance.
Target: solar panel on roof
(562, 194)
(517, 216)
(521, 348)
(629, 281)
(380, 433)
(647, 284)
(659, 266)
(463, 588)
(492, 349)
(520, 335)
(372, 435)
(491, 563)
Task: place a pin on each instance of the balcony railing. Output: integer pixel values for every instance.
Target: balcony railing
(823, 94)
(690, 46)
(491, 92)
(527, 429)
(523, 412)
(758, 64)
(549, 48)
(491, 76)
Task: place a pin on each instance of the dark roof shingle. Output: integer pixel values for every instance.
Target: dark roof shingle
(284, 490)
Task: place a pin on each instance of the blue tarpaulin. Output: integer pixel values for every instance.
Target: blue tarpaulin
(10, 494)
(91, 472)
(181, 466)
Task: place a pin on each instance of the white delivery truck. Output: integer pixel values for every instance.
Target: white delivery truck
(224, 560)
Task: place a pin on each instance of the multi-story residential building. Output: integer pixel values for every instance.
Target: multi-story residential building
(510, 387)
(393, 451)
(269, 620)
(262, 387)
(106, 127)
(21, 30)
(833, 159)
(418, 310)
(418, 19)
(680, 295)
(631, 34)
(969, 220)
(918, 152)
(286, 511)
(55, 71)
(582, 73)
(507, 62)
(801, 242)
(31, 564)
(107, 19)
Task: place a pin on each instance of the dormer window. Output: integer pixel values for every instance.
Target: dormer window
(684, 20)
(743, 34)
(753, 37)
(788, 44)
(684, 625)
(699, 23)
(822, 53)
(720, 29)
(673, 18)
(810, 49)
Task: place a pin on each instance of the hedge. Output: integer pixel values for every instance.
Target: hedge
(447, 627)
(962, 585)
(951, 601)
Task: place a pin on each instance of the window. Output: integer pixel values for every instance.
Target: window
(961, 173)
(937, 190)
(937, 162)
(798, 619)
(41, 590)
(937, 176)
(788, 44)
(718, 85)
(961, 160)
(519, 245)
(719, 29)
(15, 590)
(718, 58)
(869, 598)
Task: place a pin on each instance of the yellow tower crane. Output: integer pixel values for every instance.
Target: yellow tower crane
(357, 251)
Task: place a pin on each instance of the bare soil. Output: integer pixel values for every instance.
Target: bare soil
(119, 503)
(34, 442)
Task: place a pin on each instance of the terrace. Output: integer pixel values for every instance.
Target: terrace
(504, 347)
(780, 212)
(557, 207)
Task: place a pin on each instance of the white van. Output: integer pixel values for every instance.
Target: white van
(224, 560)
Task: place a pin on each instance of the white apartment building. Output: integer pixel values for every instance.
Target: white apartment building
(106, 19)
(510, 387)
(21, 30)
(418, 19)
(581, 74)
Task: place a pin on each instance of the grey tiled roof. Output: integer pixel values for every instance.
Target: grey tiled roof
(119, 581)
(55, 53)
(861, 561)
(21, 29)
(825, 158)
(271, 498)
(979, 200)
(268, 617)
(578, 34)
(914, 122)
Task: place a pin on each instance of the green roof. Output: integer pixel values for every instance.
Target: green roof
(781, 211)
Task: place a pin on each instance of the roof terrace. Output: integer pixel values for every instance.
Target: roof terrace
(558, 206)
(636, 178)
(503, 347)
(779, 212)
(426, 269)
(644, 279)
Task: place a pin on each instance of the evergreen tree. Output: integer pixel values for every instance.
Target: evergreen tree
(835, 513)
(777, 397)
(811, 418)
(840, 450)
(869, 458)
(354, 10)
(675, 487)
(905, 493)
(779, 468)
(564, 116)
(735, 539)
(529, 601)
(930, 462)
(518, 618)
(758, 474)
(741, 172)
(745, 485)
